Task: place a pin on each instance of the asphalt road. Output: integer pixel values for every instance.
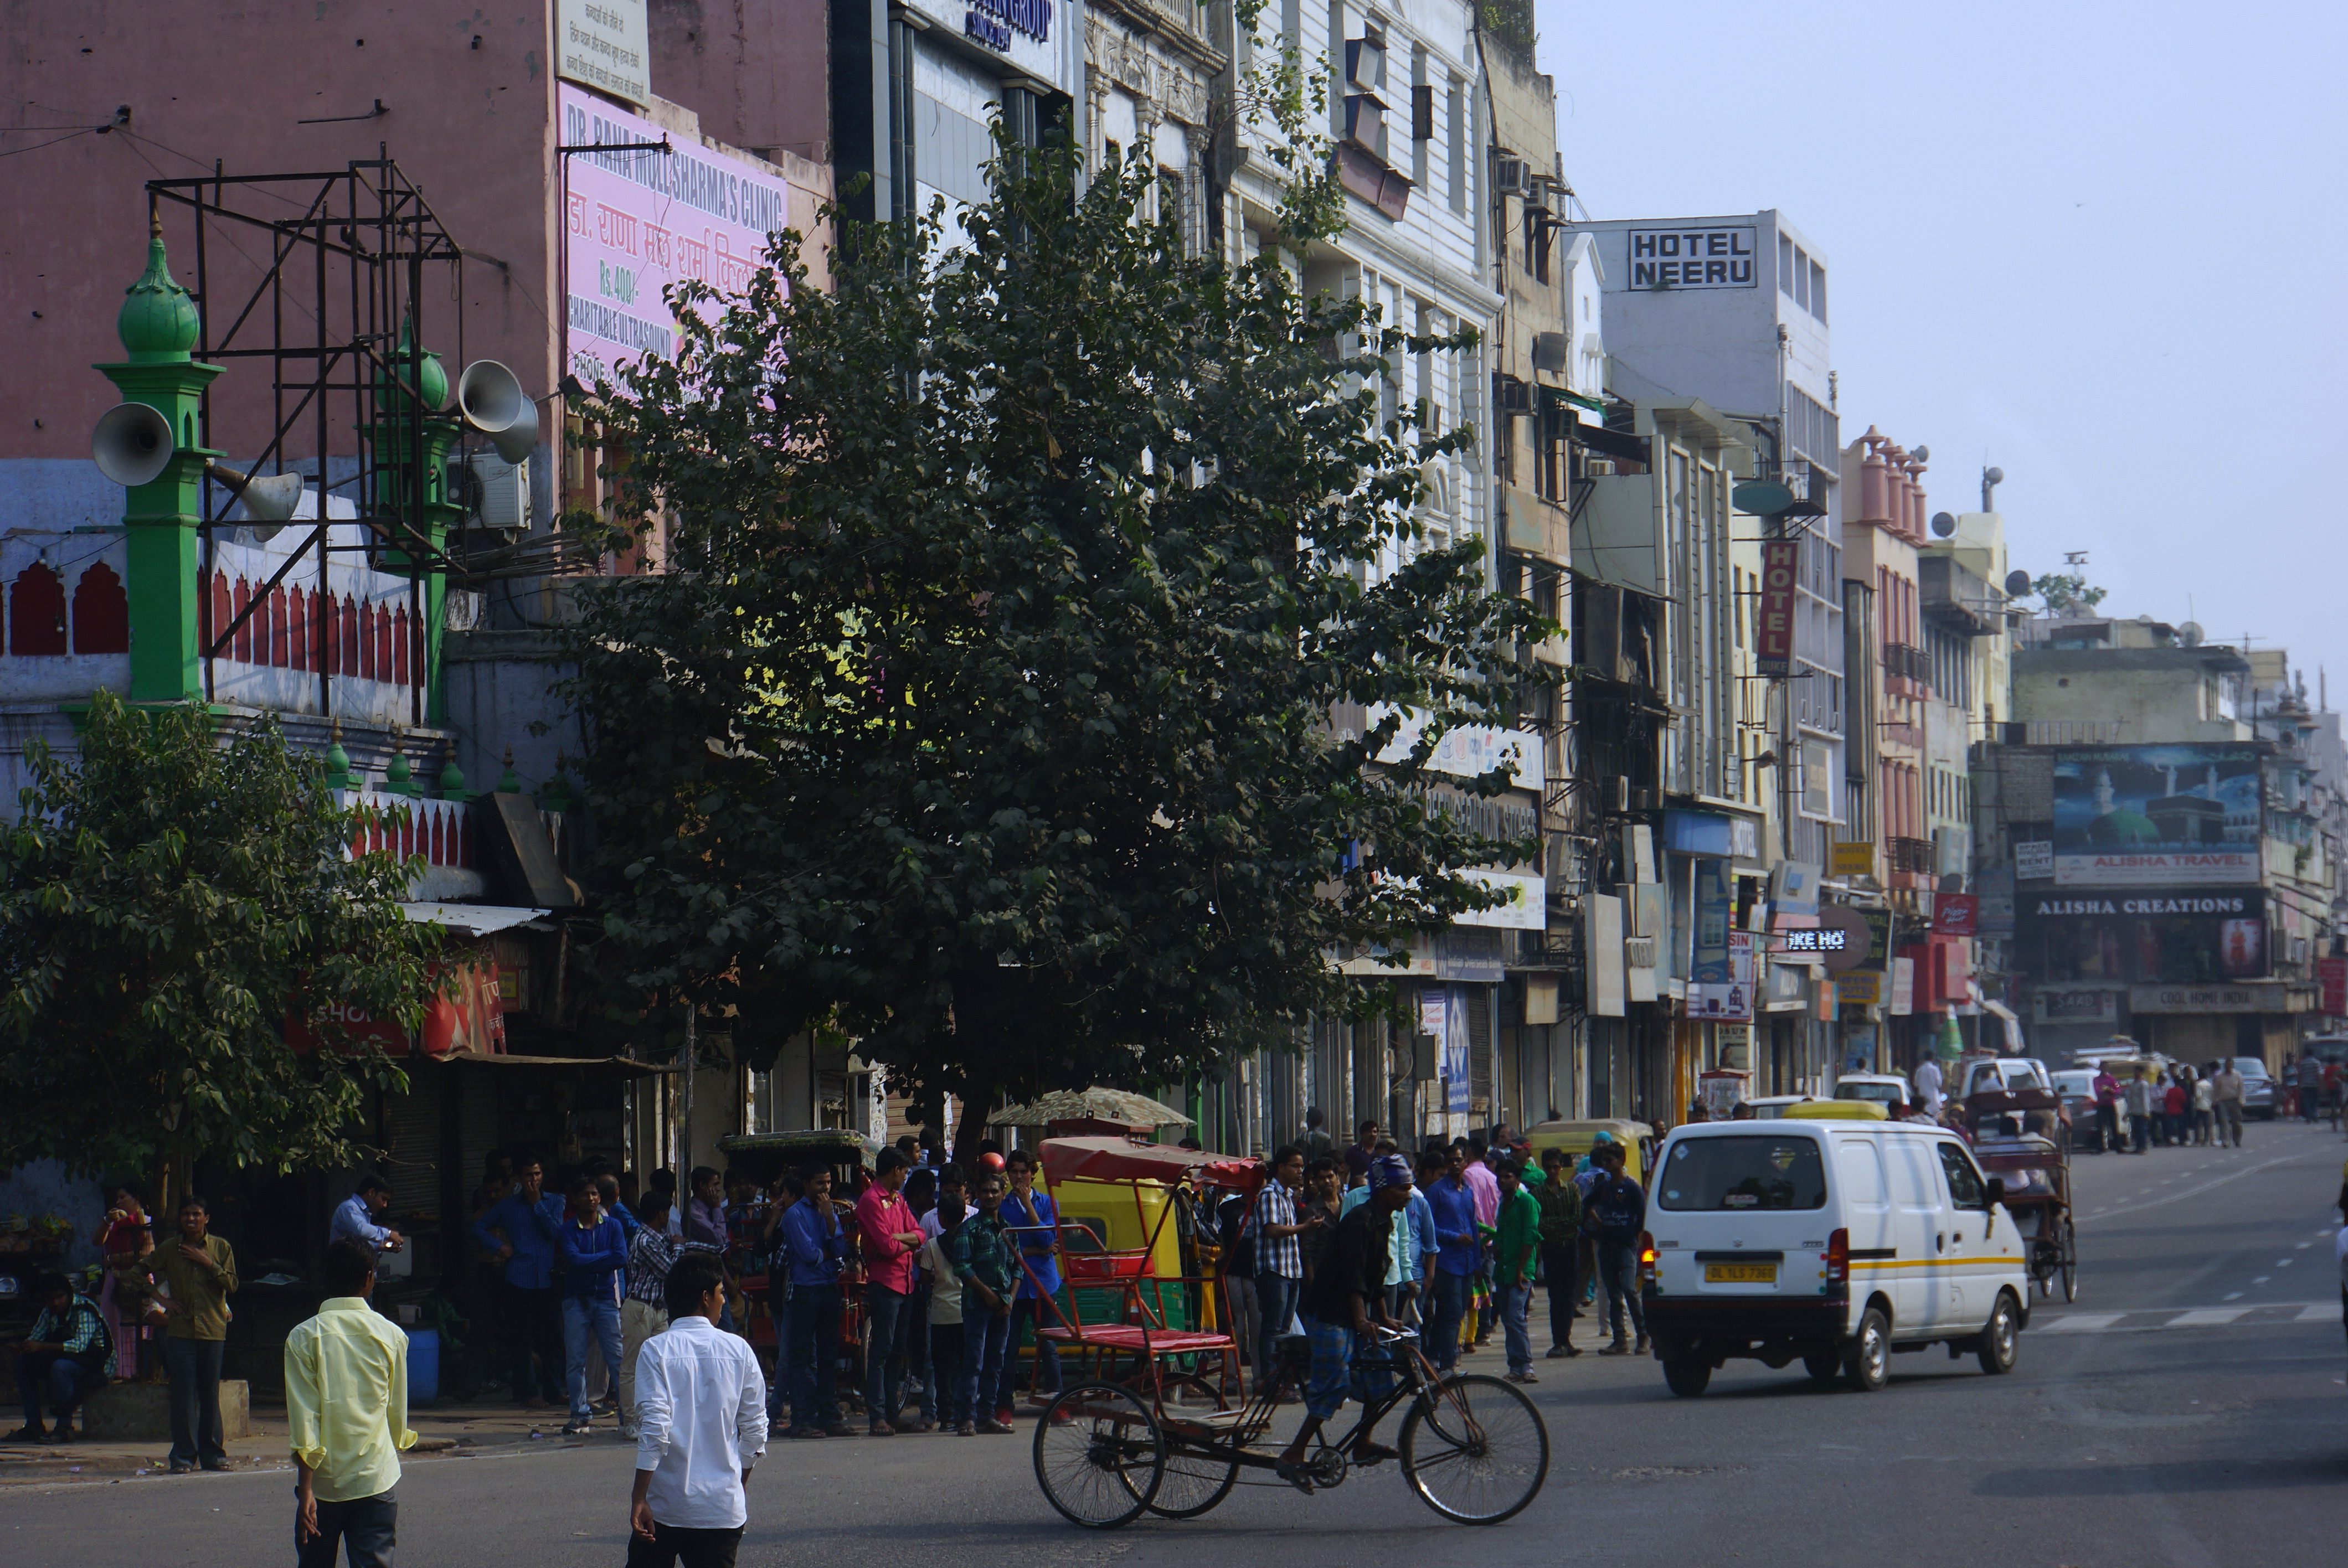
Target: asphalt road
(2192, 1409)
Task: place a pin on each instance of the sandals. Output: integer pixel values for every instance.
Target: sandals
(1298, 1475)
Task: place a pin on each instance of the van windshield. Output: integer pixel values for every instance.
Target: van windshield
(1757, 1172)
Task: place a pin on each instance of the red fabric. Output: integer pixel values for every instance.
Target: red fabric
(1125, 1160)
(880, 1213)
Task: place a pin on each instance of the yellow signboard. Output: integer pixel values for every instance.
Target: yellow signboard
(1859, 987)
(1853, 860)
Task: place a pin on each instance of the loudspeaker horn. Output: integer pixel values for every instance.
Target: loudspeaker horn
(516, 441)
(490, 398)
(132, 445)
(268, 502)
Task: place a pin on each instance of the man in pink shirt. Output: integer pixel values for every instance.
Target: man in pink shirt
(892, 1239)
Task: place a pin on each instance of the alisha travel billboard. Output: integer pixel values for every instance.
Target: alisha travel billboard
(2174, 816)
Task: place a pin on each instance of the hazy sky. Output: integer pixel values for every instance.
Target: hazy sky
(2100, 245)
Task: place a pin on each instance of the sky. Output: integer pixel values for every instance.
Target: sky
(2101, 246)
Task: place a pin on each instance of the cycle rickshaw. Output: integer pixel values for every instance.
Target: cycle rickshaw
(1146, 1433)
(2019, 1142)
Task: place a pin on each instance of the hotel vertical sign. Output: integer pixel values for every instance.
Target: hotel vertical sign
(1774, 641)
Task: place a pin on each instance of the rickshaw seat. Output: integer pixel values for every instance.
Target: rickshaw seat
(1139, 1337)
(1093, 1267)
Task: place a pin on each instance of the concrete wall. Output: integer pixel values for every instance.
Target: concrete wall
(2155, 695)
(753, 69)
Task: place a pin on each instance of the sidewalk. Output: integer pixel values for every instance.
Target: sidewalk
(443, 1429)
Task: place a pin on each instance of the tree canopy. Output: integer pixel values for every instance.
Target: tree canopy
(993, 704)
(168, 901)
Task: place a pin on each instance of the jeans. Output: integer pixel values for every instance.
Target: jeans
(195, 1369)
(535, 1326)
(1564, 1282)
(2107, 1128)
(944, 1399)
(59, 1382)
(917, 1345)
(2140, 1130)
(2229, 1123)
(1445, 1316)
(887, 1317)
(589, 1321)
(814, 1333)
(1029, 1311)
(639, 1321)
(2310, 1100)
(1515, 1302)
(1275, 1300)
(1246, 1322)
(985, 1384)
(675, 1546)
(366, 1527)
(1618, 1266)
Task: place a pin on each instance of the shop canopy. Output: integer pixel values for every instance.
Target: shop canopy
(1094, 1105)
(626, 1067)
(1124, 1159)
(472, 919)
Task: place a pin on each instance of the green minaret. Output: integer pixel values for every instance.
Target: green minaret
(159, 326)
(392, 434)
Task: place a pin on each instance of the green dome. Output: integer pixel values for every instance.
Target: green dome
(432, 377)
(2123, 827)
(159, 321)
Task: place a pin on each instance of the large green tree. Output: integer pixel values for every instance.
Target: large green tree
(169, 899)
(992, 707)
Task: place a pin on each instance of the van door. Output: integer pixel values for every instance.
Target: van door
(1867, 1216)
(1977, 1267)
(1920, 1224)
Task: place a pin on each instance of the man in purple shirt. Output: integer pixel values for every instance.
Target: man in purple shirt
(594, 1255)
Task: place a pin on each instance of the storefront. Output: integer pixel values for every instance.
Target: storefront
(2181, 969)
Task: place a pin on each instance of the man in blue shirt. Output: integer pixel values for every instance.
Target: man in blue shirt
(1034, 1227)
(595, 1253)
(1458, 1253)
(812, 1241)
(359, 1218)
(521, 1234)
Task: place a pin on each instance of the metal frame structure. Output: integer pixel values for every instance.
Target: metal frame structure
(351, 254)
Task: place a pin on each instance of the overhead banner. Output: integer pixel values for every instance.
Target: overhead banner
(2143, 815)
(638, 222)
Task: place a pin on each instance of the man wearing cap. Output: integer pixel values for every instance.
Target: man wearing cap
(1347, 1296)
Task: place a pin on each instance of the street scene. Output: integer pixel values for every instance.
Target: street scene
(1099, 777)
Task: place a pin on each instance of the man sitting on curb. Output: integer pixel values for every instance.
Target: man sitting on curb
(63, 1361)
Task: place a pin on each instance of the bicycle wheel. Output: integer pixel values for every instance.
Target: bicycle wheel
(1195, 1479)
(1100, 1455)
(1475, 1449)
(2070, 1261)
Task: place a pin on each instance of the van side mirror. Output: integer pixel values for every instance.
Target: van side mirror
(1996, 1191)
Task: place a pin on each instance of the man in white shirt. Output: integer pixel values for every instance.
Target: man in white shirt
(701, 1417)
(1928, 1085)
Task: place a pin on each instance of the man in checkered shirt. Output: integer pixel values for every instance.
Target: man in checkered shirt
(1279, 1260)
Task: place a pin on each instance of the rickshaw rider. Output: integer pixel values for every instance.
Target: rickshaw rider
(1346, 1296)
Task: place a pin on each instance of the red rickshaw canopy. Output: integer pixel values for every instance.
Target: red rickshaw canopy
(1125, 1160)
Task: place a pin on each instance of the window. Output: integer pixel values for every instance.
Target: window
(1785, 266)
(1966, 1189)
(1818, 292)
(1743, 1173)
(1536, 237)
(1456, 166)
(1801, 277)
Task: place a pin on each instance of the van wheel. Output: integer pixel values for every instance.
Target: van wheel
(1867, 1366)
(1687, 1376)
(1822, 1366)
(1997, 1346)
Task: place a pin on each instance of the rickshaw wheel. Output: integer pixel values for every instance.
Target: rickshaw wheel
(1194, 1481)
(2070, 1243)
(1100, 1456)
(1474, 1450)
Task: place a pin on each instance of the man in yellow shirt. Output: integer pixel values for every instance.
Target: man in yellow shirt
(346, 1408)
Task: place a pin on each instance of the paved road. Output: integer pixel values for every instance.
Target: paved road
(2191, 1410)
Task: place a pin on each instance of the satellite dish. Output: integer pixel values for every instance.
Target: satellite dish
(1995, 476)
(2017, 583)
(1944, 523)
(1922, 453)
(2191, 634)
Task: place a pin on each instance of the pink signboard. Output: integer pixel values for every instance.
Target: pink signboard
(635, 222)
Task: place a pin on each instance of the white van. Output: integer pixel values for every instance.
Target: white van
(1834, 1244)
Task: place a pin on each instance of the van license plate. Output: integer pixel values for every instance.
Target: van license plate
(1740, 1273)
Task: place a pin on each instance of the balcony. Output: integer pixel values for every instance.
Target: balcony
(1958, 600)
(1908, 663)
(1910, 855)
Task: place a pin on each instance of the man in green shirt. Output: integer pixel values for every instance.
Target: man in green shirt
(1515, 1249)
(200, 1270)
(1561, 1248)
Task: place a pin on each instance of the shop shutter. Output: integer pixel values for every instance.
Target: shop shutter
(411, 1127)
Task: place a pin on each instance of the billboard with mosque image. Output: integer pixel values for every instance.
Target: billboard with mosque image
(2182, 815)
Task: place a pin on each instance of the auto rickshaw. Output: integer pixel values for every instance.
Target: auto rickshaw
(1577, 1138)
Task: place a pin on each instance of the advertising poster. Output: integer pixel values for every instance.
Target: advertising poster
(635, 222)
(2171, 815)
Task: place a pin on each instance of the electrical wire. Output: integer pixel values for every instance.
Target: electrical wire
(87, 130)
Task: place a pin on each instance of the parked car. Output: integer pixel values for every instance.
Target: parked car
(2259, 1091)
(2077, 1085)
(1887, 1090)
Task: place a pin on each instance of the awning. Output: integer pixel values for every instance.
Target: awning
(2006, 1018)
(625, 1066)
(470, 920)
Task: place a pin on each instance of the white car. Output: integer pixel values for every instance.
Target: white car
(1887, 1090)
(1834, 1244)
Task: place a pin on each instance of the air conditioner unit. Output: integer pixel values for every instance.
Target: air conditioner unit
(1646, 799)
(498, 492)
(1509, 175)
(1511, 393)
(1638, 952)
(1597, 468)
